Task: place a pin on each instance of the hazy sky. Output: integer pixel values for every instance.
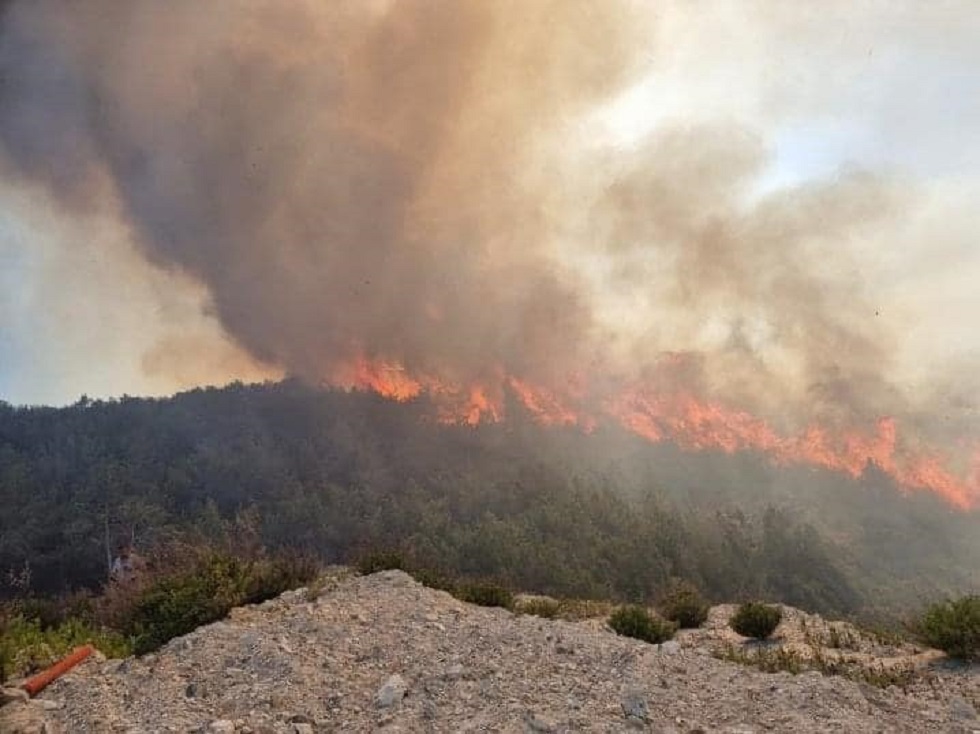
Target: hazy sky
(818, 93)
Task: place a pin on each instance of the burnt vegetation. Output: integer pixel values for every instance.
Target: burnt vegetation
(330, 474)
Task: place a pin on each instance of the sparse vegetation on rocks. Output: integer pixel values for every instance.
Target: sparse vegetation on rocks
(481, 592)
(538, 606)
(485, 594)
(210, 585)
(783, 659)
(381, 560)
(433, 579)
(337, 660)
(578, 609)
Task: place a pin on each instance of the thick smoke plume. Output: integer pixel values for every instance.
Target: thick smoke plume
(345, 177)
(404, 191)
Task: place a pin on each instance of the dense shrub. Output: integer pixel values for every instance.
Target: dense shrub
(635, 621)
(485, 594)
(177, 604)
(755, 619)
(382, 560)
(954, 627)
(684, 605)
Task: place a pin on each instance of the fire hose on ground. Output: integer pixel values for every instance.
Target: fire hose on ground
(37, 683)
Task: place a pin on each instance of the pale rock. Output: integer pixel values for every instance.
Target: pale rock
(962, 709)
(13, 695)
(634, 705)
(536, 723)
(391, 692)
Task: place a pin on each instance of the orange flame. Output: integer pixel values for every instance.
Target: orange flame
(690, 422)
(391, 380)
(696, 424)
(544, 404)
(473, 409)
(388, 379)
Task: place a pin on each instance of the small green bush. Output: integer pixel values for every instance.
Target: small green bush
(635, 621)
(684, 605)
(954, 627)
(539, 607)
(382, 560)
(755, 619)
(485, 595)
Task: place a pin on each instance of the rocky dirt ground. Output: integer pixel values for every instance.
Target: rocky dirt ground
(383, 653)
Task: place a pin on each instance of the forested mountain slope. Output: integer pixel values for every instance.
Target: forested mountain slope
(553, 510)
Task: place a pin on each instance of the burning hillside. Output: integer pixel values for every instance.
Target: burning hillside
(683, 419)
(414, 198)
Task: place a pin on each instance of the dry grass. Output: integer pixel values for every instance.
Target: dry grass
(780, 658)
(575, 610)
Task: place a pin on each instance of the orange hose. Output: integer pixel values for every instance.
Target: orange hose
(35, 684)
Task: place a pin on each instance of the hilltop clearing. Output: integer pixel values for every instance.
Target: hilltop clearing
(384, 653)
